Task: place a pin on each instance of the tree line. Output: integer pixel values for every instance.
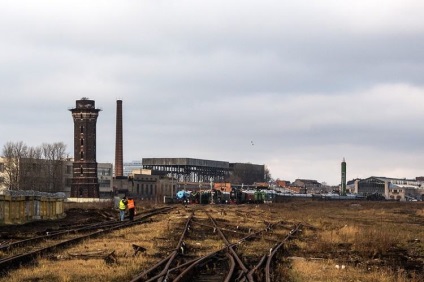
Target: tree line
(248, 174)
(37, 168)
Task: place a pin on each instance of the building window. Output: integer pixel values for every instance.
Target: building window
(82, 141)
(82, 155)
(81, 170)
(104, 183)
(103, 171)
(82, 128)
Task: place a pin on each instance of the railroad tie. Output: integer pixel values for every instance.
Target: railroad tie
(138, 249)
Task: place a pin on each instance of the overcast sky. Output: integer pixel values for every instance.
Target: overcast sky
(308, 82)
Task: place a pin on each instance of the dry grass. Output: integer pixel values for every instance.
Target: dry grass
(362, 236)
(65, 266)
(328, 270)
(367, 238)
(420, 212)
(364, 239)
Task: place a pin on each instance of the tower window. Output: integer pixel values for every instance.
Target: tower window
(82, 155)
(82, 141)
(81, 171)
(82, 128)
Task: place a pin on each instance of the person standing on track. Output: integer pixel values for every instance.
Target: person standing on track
(131, 208)
(122, 207)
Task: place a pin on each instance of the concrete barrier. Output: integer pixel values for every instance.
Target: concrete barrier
(88, 200)
(19, 209)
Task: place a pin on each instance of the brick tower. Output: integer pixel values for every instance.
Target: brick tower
(84, 181)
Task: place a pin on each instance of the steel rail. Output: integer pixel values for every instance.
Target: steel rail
(237, 232)
(36, 239)
(52, 235)
(257, 266)
(230, 248)
(165, 275)
(168, 260)
(194, 262)
(141, 276)
(190, 264)
(232, 268)
(276, 248)
(184, 273)
(15, 261)
(177, 249)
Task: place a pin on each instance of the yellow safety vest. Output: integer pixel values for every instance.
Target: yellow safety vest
(122, 205)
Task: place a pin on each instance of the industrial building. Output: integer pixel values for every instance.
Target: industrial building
(304, 186)
(143, 185)
(34, 176)
(400, 189)
(188, 169)
(157, 178)
(199, 170)
(129, 167)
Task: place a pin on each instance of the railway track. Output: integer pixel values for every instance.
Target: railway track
(23, 252)
(190, 261)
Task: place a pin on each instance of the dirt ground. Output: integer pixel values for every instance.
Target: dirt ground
(368, 237)
(73, 217)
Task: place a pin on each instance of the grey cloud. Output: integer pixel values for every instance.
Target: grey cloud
(308, 82)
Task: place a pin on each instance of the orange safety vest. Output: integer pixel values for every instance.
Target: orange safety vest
(131, 204)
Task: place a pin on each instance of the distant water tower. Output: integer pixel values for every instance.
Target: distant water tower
(84, 181)
(343, 186)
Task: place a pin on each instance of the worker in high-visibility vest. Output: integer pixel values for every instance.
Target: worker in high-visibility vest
(131, 208)
(122, 207)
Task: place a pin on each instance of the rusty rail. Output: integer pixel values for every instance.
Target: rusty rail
(275, 249)
(21, 259)
(230, 247)
(168, 260)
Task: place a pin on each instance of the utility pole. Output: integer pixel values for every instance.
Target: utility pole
(211, 182)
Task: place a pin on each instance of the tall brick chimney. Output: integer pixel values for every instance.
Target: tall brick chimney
(119, 165)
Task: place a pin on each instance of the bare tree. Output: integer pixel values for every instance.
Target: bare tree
(267, 175)
(246, 173)
(234, 179)
(29, 169)
(33, 168)
(9, 166)
(13, 152)
(54, 154)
